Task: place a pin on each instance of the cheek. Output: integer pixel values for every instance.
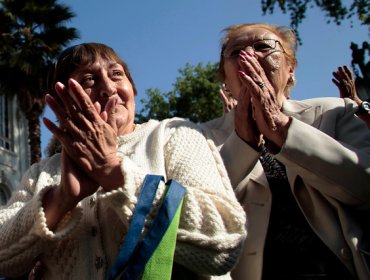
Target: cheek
(126, 92)
(93, 96)
(272, 63)
(232, 78)
(274, 67)
(231, 68)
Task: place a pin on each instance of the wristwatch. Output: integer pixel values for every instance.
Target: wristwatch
(364, 108)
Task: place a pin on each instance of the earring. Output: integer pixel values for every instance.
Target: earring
(227, 99)
(292, 80)
(226, 90)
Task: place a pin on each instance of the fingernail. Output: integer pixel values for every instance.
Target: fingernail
(59, 86)
(48, 97)
(241, 73)
(72, 83)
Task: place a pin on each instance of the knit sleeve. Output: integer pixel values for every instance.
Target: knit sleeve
(212, 224)
(24, 234)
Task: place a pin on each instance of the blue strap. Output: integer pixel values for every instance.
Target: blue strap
(144, 204)
(157, 230)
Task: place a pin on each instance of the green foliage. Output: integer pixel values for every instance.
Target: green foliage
(31, 36)
(195, 96)
(334, 10)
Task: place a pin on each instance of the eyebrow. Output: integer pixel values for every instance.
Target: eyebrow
(90, 67)
(114, 64)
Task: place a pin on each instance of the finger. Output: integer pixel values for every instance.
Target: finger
(112, 120)
(89, 115)
(83, 100)
(59, 133)
(264, 104)
(337, 75)
(73, 125)
(249, 82)
(65, 134)
(348, 72)
(57, 109)
(337, 83)
(223, 96)
(65, 99)
(250, 66)
(244, 98)
(256, 71)
(224, 101)
(97, 106)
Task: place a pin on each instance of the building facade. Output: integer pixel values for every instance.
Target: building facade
(14, 148)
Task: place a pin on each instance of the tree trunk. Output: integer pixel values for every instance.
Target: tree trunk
(34, 134)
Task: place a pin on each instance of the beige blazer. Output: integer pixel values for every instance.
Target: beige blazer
(327, 158)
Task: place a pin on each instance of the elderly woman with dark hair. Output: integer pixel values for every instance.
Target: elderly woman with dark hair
(72, 210)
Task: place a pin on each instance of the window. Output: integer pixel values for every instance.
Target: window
(4, 194)
(5, 135)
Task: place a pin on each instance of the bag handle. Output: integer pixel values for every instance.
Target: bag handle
(144, 203)
(134, 255)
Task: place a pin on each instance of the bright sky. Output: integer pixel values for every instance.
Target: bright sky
(157, 38)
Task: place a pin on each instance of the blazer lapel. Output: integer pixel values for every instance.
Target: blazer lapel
(302, 111)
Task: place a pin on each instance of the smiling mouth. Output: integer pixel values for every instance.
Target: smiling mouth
(113, 103)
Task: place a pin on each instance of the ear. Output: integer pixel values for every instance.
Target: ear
(291, 69)
(291, 78)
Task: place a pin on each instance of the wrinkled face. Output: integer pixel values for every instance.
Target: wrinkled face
(106, 83)
(266, 47)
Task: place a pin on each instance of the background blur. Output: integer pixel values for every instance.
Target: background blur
(157, 38)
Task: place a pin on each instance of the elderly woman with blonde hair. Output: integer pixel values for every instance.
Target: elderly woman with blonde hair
(301, 169)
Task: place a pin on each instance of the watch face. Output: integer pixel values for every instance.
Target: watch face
(366, 106)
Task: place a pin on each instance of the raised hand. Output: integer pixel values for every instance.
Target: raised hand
(343, 79)
(228, 101)
(88, 137)
(265, 101)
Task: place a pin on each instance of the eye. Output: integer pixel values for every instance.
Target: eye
(264, 46)
(117, 74)
(87, 81)
(233, 53)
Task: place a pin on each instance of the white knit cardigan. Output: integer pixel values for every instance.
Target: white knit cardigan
(86, 242)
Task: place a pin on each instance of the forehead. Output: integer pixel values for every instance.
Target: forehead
(250, 34)
(99, 64)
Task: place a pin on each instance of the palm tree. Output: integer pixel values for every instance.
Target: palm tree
(32, 33)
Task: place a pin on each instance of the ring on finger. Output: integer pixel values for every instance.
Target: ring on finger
(261, 84)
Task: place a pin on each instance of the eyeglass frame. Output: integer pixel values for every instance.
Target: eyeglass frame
(252, 45)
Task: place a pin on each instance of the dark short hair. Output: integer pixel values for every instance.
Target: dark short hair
(83, 54)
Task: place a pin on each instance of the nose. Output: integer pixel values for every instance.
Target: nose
(250, 50)
(107, 88)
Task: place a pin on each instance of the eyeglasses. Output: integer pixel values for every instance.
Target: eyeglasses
(261, 46)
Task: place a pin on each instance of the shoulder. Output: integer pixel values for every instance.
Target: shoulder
(225, 123)
(168, 128)
(166, 123)
(179, 124)
(49, 165)
(42, 173)
(322, 104)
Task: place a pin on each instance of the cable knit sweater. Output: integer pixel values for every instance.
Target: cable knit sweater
(86, 242)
